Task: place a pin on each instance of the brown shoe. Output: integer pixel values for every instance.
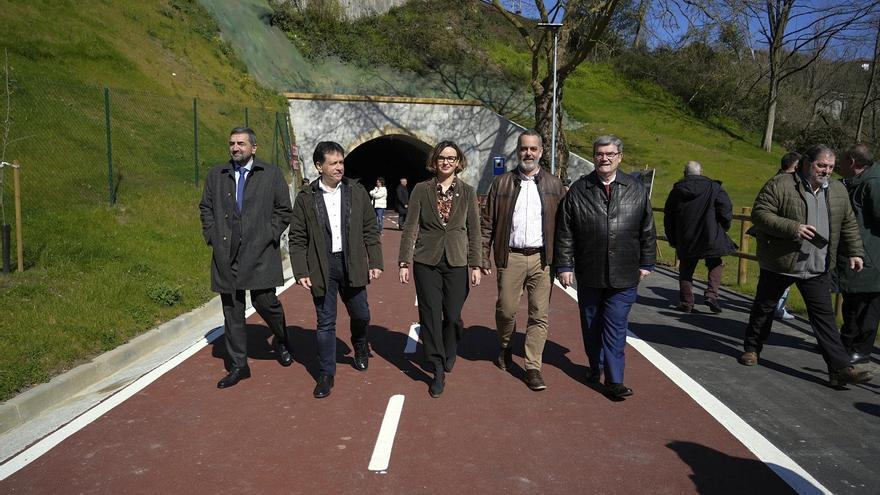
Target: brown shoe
(684, 308)
(534, 380)
(848, 375)
(504, 360)
(749, 358)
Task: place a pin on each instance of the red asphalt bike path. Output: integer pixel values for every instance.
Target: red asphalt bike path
(487, 433)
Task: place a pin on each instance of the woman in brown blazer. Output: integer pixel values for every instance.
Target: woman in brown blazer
(441, 241)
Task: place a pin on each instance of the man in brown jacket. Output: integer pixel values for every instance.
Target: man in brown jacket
(519, 222)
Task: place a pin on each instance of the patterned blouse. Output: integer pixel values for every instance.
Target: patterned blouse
(444, 202)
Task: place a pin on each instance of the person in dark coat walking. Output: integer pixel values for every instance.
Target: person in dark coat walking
(245, 208)
(861, 290)
(402, 202)
(335, 249)
(696, 219)
(605, 234)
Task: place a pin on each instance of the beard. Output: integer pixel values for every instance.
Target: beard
(528, 167)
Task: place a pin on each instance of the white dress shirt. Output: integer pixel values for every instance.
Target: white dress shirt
(333, 203)
(527, 230)
(238, 177)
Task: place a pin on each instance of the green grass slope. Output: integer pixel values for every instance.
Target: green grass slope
(98, 275)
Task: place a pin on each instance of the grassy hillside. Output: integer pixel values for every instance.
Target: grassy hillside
(96, 274)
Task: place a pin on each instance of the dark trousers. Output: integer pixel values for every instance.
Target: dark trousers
(268, 307)
(442, 290)
(686, 267)
(355, 300)
(861, 315)
(604, 313)
(401, 220)
(816, 292)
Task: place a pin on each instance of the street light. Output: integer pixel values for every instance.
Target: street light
(553, 26)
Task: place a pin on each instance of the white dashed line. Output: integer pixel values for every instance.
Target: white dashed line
(382, 450)
(413, 340)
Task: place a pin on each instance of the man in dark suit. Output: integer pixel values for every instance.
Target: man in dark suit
(335, 249)
(245, 208)
(402, 202)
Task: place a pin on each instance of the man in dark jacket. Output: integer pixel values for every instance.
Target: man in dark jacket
(402, 202)
(802, 220)
(245, 208)
(861, 290)
(605, 232)
(518, 225)
(335, 249)
(696, 218)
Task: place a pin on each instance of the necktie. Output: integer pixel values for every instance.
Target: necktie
(239, 188)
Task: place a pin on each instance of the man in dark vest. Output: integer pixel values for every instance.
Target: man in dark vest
(696, 218)
(245, 208)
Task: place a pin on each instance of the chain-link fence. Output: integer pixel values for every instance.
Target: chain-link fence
(83, 146)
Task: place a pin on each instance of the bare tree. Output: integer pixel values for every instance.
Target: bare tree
(796, 34)
(584, 23)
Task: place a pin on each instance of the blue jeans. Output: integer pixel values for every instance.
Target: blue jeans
(604, 314)
(355, 300)
(380, 217)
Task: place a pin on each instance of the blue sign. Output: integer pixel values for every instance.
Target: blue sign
(498, 165)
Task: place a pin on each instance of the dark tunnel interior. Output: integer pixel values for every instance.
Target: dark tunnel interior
(391, 157)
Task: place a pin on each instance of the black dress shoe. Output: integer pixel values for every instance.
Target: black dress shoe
(504, 360)
(437, 385)
(282, 353)
(617, 391)
(856, 358)
(361, 357)
(325, 383)
(449, 364)
(235, 375)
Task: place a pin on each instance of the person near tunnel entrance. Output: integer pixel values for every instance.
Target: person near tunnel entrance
(441, 240)
(379, 195)
(518, 225)
(402, 202)
(335, 249)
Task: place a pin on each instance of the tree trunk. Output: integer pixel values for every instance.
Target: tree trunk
(641, 33)
(544, 126)
(767, 143)
(869, 91)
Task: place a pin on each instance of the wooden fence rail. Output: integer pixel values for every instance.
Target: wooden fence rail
(745, 221)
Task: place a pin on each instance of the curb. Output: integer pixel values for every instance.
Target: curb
(177, 334)
(35, 401)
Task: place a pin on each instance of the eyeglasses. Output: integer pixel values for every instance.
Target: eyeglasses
(450, 159)
(610, 156)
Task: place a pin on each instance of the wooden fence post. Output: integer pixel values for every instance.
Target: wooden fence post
(743, 273)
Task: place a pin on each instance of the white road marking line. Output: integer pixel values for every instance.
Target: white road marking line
(780, 463)
(385, 440)
(413, 340)
(29, 455)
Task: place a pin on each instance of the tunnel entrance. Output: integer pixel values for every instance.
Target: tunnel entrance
(392, 157)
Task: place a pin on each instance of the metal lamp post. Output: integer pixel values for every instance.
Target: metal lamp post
(554, 26)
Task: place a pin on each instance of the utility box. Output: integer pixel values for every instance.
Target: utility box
(498, 165)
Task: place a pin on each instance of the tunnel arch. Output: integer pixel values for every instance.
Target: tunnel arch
(389, 156)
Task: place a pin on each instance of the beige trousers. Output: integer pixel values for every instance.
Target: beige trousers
(524, 273)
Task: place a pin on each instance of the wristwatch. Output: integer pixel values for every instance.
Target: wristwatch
(403, 264)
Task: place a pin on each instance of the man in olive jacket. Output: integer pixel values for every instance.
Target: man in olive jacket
(245, 208)
(861, 290)
(335, 249)
(605, 231)
(801, 221)
(518, 225)
(696, 219)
